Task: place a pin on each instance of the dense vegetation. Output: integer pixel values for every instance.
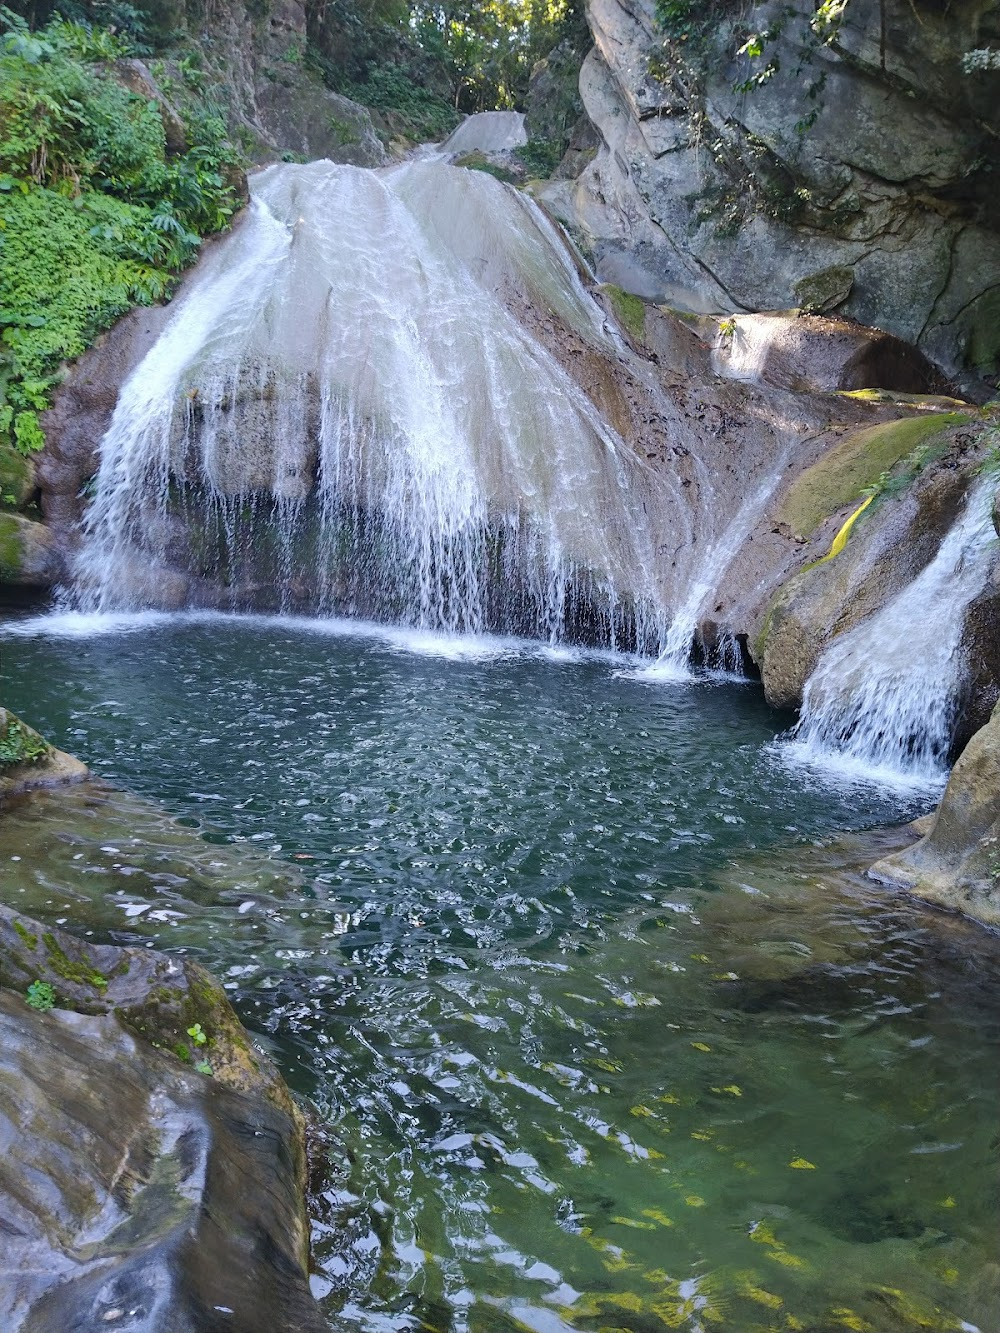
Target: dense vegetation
(95, 215)
(431, 61)
(98, 212)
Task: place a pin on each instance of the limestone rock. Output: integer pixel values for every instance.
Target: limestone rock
(957, 862)
(138, 1193)
(717, 200)
(28, 762)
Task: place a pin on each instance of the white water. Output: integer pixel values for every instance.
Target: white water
(882, 701)
(346, 373)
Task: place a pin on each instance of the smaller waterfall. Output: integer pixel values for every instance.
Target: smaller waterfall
(883, 696)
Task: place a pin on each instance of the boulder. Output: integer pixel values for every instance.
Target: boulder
(154, 1166)
(814, 354)
(29, 554)
(135, 76)
(957, 861)
(28, 762)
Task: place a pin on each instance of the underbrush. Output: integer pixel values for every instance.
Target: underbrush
(95, 215)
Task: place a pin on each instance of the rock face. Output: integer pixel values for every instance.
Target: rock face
(27, 762)
(139, 1193)
(854, 177)
(253, 55)
(957, 862)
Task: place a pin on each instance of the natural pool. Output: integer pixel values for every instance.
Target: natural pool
(609, 1029)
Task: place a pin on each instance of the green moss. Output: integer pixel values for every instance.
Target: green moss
(182, 1052)
(629, 310)
(20, 744)
(29, 939)
(17, 477)
(480, 162)
(858, 462)
(63, 966)
(10, 548)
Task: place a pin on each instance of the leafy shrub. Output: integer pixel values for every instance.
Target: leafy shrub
(94, 216)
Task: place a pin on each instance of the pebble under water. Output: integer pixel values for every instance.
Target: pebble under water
(610, 1031)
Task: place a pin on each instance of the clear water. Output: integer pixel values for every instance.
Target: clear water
(609, 1030)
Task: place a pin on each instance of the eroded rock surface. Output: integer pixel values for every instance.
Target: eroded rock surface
(140, 1193)
(957, 861)
(854, 177)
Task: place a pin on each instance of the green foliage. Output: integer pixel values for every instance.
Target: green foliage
(95, 217)
(41, 996)
(197, 1034)
(391, 88)
(20, 745)
(425, 63)
(541, 156)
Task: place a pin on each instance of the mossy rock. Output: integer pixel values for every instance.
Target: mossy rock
(28, 555)
(628, 310)
(17, 477)
(823, 291)
(840, 477)
(484, 162)
(28, 761)
(158, 998)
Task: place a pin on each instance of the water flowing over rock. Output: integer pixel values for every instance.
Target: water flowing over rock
(380, 397)
(884, 696)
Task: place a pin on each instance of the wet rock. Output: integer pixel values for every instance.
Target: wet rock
(888, 546)
(139, 1193)
(29, 554)
(957, 862)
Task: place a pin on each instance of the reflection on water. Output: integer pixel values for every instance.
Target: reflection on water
(610, 1032)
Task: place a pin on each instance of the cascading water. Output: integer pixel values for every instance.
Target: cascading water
(883, 696)
(346, 409)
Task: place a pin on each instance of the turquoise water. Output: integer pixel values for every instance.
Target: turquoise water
(608, 1028)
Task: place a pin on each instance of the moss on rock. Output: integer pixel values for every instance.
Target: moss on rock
(857, 462)
(629, 310)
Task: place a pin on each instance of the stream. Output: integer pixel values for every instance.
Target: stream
(608, 1028)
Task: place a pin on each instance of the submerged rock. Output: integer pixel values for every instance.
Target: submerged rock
(28, 761)
(957, 861)
(141, 1193)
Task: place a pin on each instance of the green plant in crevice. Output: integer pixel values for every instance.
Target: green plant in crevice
(197, 1034)
(20, 745)
(41, 995)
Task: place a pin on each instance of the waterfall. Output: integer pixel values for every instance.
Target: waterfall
(349, 412)
(883, 697)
